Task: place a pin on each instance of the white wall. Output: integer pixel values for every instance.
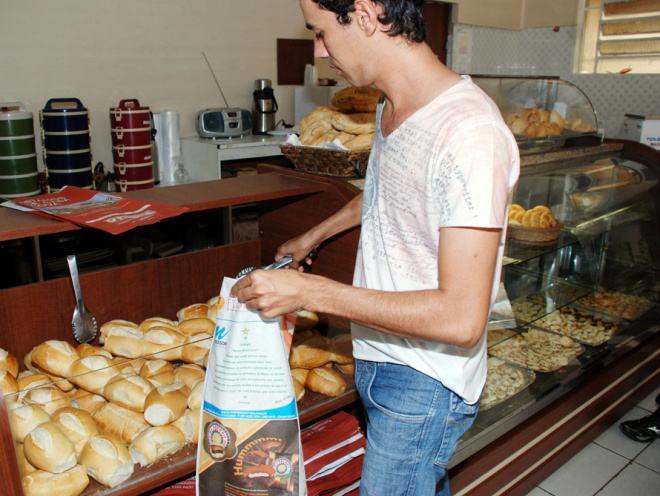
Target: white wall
(103, 51)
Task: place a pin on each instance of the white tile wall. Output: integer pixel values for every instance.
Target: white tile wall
(544, 51)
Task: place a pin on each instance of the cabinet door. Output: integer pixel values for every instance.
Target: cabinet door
(541, 13)
(492, 13)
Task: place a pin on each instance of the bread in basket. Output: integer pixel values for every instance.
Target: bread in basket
(537, 225)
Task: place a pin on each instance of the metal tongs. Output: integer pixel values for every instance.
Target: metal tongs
(83, 323)
(278, 264)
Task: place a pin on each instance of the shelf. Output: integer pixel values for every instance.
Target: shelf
(196, 196)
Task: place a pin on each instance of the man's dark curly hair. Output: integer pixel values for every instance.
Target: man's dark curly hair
(404, 17)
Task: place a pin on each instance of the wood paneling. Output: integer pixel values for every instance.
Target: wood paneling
(292, 56)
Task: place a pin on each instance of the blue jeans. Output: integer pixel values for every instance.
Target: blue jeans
(413, 427)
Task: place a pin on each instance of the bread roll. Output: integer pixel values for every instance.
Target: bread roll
(557, 119)
(310, 353)
(197, 325)
(214, 304)
(125, 341)
(346, 368)
(129, 366)
(54, 357)
(86, 350)
(147, 324)
(342, 348)
(47, 447)
(305, 320)
(92, 373)
(9, 363)
(121, 422)
(157, 368)
(188, 424)
(195, 397)
(27, 380)
(105, 328)
(300, 375)
(314, 131)
(129, 391)
(356, 99)
(8, 386)
(107, 460)
(87, 401)
(193, 311)
(27, 361)
(49, 398)
(69, 483)
(195, 348)
(360, 142)
(166, 403)
(59, 382)
(298, 389)
(319, 114)
(189, 374)
(163, 343)
(156, 443)
(354, 123)
(24, 466)
(23, 418)
(77, 425)
(326, 137)
(325, 381)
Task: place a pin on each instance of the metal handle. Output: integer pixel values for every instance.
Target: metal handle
(75, 280)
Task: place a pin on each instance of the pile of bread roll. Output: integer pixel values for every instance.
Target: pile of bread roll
(539, 123)
(351, 119)
(540, 217)
(96, 411)
(316, 362)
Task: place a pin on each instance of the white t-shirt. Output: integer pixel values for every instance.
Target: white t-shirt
(452, 163)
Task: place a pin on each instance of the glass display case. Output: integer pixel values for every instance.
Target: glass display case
(570, 306)
(543, 113)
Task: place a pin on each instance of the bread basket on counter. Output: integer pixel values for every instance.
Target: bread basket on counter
(526, 235)
(330, 162)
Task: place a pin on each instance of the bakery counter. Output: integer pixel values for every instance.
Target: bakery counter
(287, 202)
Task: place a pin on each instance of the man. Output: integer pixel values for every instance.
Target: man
(432, 216)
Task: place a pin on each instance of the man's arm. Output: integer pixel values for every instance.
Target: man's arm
(455, 313)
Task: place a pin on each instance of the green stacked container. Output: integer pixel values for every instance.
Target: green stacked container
(19, 175)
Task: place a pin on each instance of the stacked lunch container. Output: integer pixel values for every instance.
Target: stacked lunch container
(67, 144)
(19, 175)
(132, 154)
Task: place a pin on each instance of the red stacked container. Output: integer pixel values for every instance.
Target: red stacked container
(132, 146)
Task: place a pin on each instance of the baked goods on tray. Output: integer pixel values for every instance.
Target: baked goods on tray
(538, 350)
(497, 335)
(620, 304)
(532, 307)
(503, 381)
(582, 326)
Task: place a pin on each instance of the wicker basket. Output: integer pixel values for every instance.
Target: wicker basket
(533, 235)
(341, 163)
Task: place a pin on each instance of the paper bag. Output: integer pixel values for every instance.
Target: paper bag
(249, 432)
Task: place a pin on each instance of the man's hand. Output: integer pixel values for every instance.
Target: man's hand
(273, 292)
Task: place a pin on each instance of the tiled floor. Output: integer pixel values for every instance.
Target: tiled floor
(612, 465)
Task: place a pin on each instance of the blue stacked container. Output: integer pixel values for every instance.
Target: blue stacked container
(67, 144)
(19, 175)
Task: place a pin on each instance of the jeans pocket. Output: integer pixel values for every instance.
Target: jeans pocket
(458, 421)
(395, 391)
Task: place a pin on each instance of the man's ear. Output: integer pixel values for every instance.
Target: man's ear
(366, 15)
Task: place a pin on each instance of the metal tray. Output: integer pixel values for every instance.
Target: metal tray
(538, 350)
(504, 380)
